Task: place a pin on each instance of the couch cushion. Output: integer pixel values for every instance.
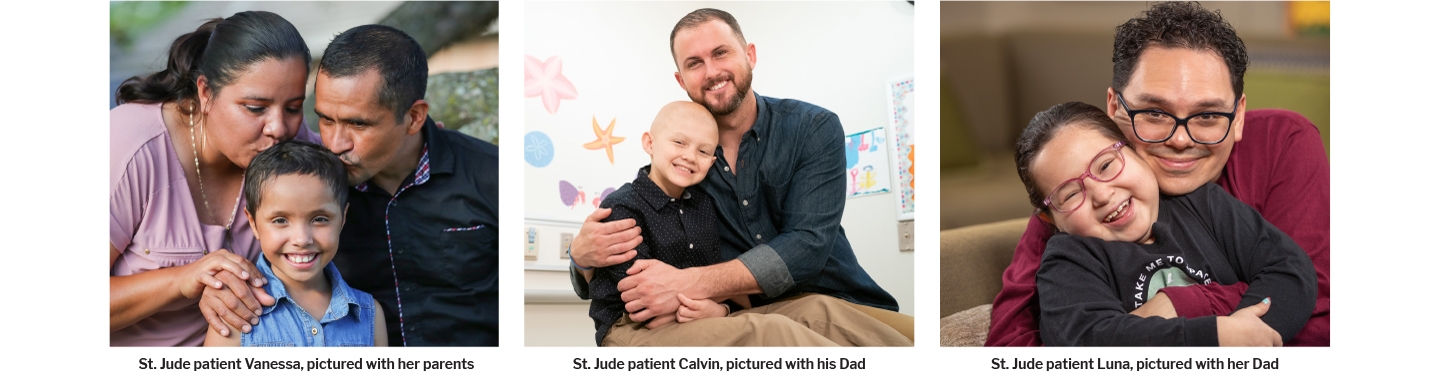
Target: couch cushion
(972, 260)
(966, 328)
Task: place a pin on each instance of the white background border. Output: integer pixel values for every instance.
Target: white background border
(54, 192)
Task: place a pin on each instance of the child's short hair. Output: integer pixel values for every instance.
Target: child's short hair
(294, 157)
(1043, 127)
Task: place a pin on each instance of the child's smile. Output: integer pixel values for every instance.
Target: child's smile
(681, 144)
(298, 224)
(1119, 209)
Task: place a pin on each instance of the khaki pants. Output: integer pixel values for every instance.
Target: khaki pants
(810, 320)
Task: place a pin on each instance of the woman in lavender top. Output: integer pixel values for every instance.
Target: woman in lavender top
(180, 140)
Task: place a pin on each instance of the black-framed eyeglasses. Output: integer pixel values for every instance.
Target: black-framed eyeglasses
(1070, 194)
(1156, 126)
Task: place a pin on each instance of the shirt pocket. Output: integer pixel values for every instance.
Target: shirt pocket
(172, 256)
(464, 229)
(468, 256)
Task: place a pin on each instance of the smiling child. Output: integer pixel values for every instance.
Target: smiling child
(677, 221)
(1121, 243)
(295, 193)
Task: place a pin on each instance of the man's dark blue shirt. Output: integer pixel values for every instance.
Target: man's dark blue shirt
(780, 210)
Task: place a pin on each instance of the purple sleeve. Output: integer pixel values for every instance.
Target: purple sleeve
(129, 169)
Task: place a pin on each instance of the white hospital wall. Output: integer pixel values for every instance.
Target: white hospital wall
(835, 55)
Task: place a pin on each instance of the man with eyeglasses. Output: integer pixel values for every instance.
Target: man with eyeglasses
(1177, 94)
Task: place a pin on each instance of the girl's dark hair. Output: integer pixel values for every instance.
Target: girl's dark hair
(1043, 128)
(219, 49)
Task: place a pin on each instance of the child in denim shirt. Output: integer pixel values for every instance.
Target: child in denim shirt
(295, 194)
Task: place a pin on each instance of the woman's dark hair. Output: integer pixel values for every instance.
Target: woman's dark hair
(1043, 128)
(219, 49)
(294, 157)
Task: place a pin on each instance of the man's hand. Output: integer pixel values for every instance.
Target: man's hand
(1244, 328)
(652, 289)
(602, 244)
(201, 274)
(236, 303)
(1159, 305)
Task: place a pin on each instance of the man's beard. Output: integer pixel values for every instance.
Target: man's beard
(742, 88)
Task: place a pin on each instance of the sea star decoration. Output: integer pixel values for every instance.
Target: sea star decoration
(544, 79)
(604, 138)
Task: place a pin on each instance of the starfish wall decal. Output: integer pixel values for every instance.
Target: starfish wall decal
(544, 79)
(604, 138)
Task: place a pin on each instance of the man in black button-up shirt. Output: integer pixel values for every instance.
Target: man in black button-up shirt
(420, 229)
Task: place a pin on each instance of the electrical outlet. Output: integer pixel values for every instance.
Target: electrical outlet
(907, 236)
(565, 244)
(532, 244)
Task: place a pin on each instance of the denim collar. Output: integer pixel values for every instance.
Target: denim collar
(341, 302)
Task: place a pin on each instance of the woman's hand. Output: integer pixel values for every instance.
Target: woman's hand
(136, 297)
(691, 310)
(1244, 328)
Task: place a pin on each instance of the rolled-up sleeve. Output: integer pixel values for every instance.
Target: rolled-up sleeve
(812, 209)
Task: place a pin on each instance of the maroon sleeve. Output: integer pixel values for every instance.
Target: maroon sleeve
(1280, 168)
(1207, 300)
(1015, 314)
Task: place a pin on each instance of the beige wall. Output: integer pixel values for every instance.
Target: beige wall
(1252, 19)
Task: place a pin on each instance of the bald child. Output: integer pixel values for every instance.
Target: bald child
(677, 222)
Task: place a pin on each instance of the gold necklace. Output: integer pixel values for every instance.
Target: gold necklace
(201, 180)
